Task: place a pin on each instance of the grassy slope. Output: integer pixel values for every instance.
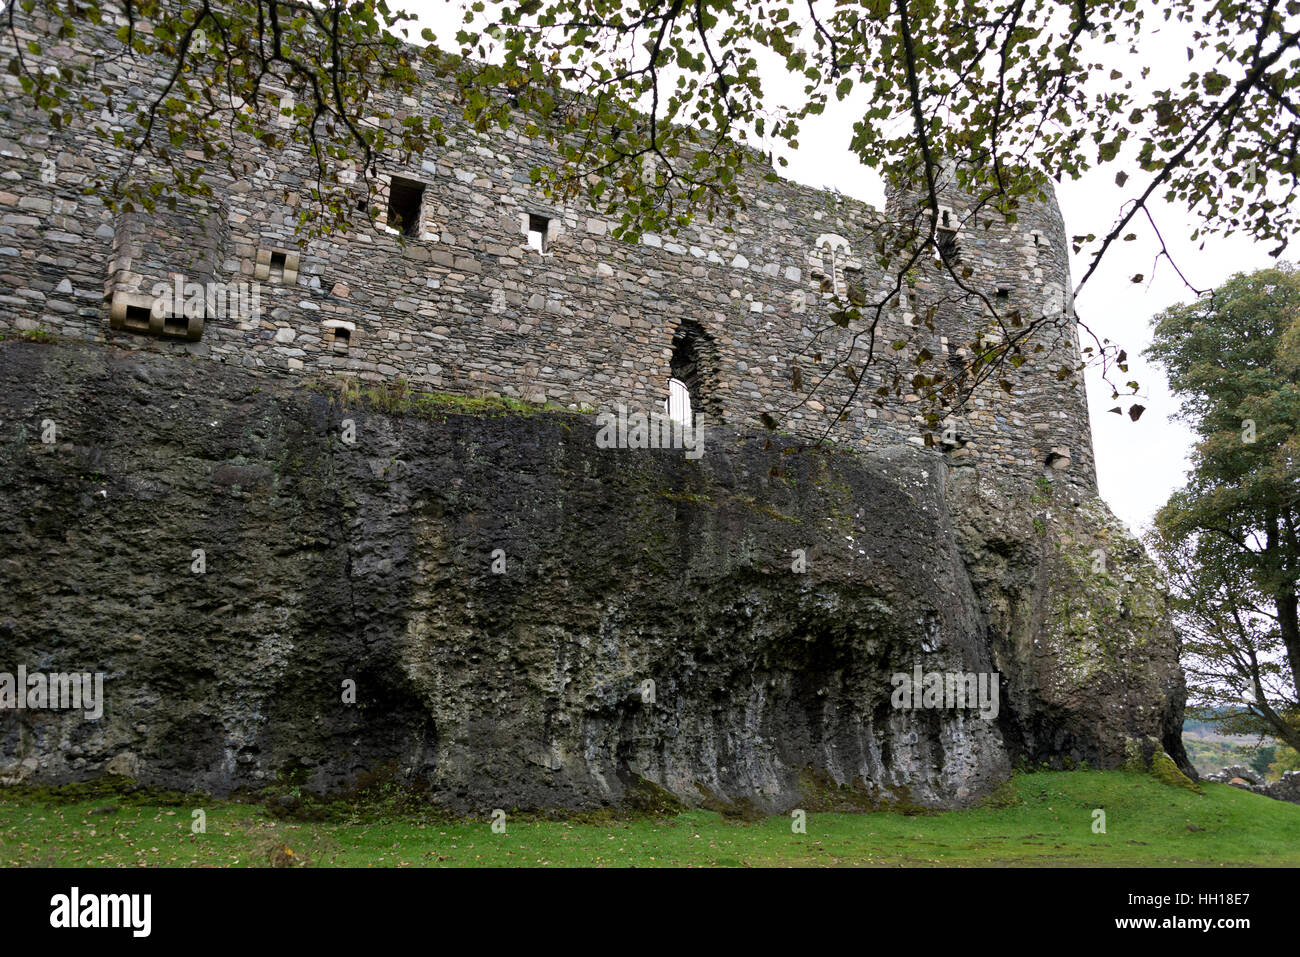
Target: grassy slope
(1048, 822)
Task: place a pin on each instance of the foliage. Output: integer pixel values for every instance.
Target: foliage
(1261, 760)
(235, 67)
(1017, 92)
(1001, 99)
(1228, 538)
(654, 109)
(1288, 759)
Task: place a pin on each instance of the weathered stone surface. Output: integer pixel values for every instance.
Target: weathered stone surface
(372, 562)
(1078, 622)
(1239, 771)
(1240, 776)
(763, 287)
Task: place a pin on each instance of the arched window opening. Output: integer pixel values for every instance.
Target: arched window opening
(828, 260)
(692, 368)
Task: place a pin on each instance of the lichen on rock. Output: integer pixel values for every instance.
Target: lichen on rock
(373, 563)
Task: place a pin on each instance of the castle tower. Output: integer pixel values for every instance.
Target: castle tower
(1001, 279)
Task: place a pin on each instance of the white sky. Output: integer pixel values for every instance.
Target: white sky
(1138, 463)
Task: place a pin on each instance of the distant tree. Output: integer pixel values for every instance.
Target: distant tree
(1288, 759)
(1230, 538)
(1261, 758)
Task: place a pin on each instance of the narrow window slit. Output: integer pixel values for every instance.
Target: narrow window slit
(405, 200)
(538, 227)
(946, 242)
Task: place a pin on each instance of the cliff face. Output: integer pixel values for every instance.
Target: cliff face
(373, 562)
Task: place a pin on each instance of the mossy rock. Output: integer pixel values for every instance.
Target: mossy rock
(821, 793)
(1164, 770)
(741, 809)
(646, 797)
(1004, 795)
(123, 790)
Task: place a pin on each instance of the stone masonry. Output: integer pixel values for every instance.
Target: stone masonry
(463, 300)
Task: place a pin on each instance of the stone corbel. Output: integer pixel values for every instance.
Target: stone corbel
(262, 265)
(125, 314)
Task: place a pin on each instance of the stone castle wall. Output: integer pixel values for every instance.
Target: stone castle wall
(464, 305)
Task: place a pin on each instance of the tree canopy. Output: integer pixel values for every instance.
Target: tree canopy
(1021, 91)
(651, 105)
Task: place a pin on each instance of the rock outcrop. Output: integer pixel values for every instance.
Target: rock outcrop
(528, 620)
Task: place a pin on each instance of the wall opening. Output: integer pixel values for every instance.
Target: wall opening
(856, 286)
(678, 403)
(175, 326)
(342, 338)
(137, 318)
(1036, 245)
(277, 265)
(148, 316)
(693, 365)
(1058, 459)
(945, 241)
(538, 227)
(945, 238)
(405, 199)
(284, 108)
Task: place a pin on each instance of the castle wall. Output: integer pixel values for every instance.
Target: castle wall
(465, 306)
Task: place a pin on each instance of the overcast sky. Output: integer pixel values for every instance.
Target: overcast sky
(1138, 463)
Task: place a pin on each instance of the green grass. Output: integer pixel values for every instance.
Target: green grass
(39, 334)
(1043, 819)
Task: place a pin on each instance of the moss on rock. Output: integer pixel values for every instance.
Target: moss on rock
(1164, 770)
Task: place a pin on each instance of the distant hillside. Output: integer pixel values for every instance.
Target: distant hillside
(1209, 750)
